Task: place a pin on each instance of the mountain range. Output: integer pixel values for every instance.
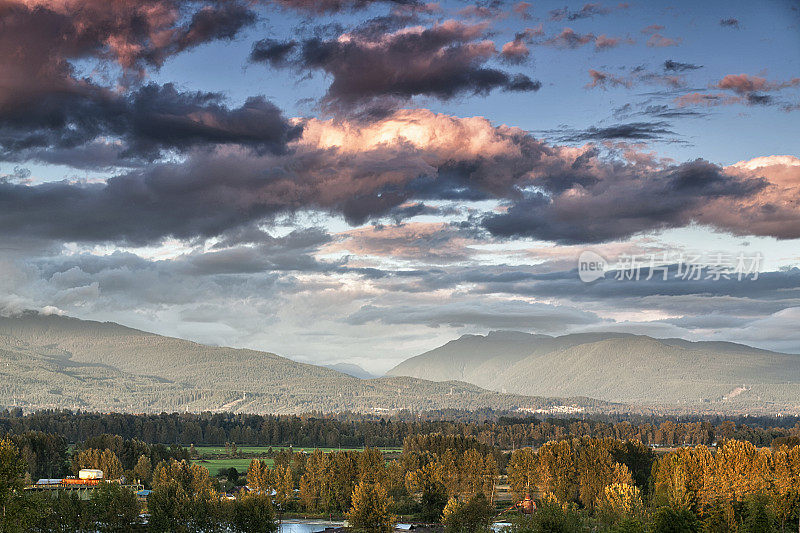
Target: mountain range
(49, 361)
(616, 367)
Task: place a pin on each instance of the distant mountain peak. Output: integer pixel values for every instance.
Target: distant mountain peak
(613, 366)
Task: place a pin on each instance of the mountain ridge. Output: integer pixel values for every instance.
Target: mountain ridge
(50, 361)
(616, 367)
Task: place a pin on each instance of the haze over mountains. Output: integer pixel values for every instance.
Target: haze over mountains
(616, 367)
(51, 361)
(59, 362)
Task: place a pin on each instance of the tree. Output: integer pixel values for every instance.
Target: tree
(371, 466)
(675, 520)
(428, 482)
(550, 517)
(183, 499)
(68, 513)
(473, 516)
(114, 508)
(523, 472)
(105, 460)
(284, 485)
(619, 501)
(258, 477)
(758, 519)
(143, 469)
(370, 509)
(433, 502)
(311, 483)
(252, 513)
(12, 468)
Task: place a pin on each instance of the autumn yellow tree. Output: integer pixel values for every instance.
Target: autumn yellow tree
(259, 477)
(104, 460)
(369, 512)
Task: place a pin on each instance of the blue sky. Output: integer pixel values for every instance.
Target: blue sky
(386, 176)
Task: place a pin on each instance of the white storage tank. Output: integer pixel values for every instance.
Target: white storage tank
(89, 473)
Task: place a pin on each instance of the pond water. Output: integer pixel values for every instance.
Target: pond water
(313, 526)
(306, 526)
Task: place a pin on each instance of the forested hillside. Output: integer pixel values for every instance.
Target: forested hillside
(618, 367)
(60, 362)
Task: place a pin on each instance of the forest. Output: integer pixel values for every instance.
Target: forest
(497, 428)
(453, 476)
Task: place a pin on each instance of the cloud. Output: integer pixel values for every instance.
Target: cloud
(729, 23)
(147, 120)
(635, 131)
(744, 84)
(45, 105)
(365, 170)
(522, 10)
(483, 12)
(675, 66)
(321, 7)
(604, 42)
(746, 89)
(437, 243)
(704, 99)
(590, 10)
(134, 34)
(584, 207)
(517, 51)
(651, 29)
(442, 61)
(657, 40)
(606, 79)
(506, 314)
(568, 38)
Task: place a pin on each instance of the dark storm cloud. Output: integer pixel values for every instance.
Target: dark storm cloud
(133, 33)
(664, 199)
(150, 119)
(45, 105)
(676, 66)
(568, 195)
(442, 61)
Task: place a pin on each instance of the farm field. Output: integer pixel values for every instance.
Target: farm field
(263, 450)
(216, 458)
(241, 464)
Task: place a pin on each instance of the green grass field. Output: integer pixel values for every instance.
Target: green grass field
(209, 456)
(220, 450)
(215, 465)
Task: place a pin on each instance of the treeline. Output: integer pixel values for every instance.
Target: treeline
(429, 473)
(579, 484)
(183, 500)
(352, 430)
(46, 455)
(588, 484)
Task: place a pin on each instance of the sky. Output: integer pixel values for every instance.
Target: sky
(362, 180)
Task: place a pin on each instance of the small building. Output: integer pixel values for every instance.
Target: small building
(87, 481)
